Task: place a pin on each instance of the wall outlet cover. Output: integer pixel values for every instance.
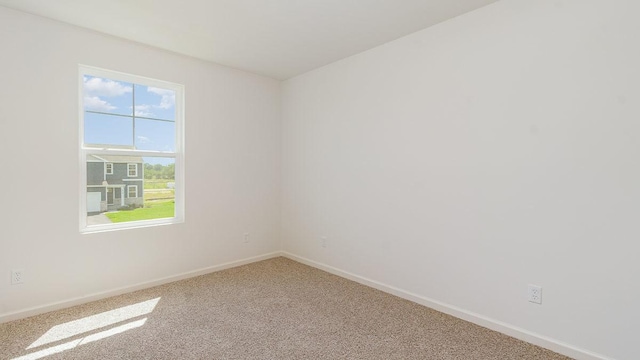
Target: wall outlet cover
(17, 276)
(534, 294)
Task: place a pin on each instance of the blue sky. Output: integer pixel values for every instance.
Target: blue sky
(115, 98)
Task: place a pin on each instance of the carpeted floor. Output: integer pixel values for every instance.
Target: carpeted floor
(273, 309)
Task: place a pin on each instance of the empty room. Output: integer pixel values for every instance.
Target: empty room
(320, 179)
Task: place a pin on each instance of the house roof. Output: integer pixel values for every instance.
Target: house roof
(116, 158)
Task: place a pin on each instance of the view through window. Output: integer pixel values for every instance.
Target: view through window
(131, 149)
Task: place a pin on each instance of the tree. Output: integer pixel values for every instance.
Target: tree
(159, 171)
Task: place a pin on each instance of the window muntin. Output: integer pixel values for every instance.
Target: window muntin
(128, 114)
(135, 125)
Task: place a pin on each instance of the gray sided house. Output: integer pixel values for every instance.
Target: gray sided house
(114, 182)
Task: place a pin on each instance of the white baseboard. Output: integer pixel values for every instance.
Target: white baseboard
(122, 290)
(460, 313)
(499, 326)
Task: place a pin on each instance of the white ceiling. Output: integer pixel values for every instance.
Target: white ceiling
(276, 38)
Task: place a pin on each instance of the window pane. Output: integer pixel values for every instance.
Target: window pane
(108, 129)
(153, 102)
(107, 96)
(120, 197)
(155, 135)
(124, 122)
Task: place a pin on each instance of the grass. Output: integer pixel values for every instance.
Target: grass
(159, 195)
(151, 210)
(157, 183)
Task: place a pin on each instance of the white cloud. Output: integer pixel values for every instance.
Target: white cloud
(104, 87)
(143, 139)
(168, 97)
(94, 103)
(143, 110)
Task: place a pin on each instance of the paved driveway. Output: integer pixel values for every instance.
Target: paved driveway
(98, 219)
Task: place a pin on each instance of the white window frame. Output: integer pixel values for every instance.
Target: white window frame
(106, 168)
(86, 150)
(135, 171)
(129, 187)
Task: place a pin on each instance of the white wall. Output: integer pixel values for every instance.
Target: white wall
(232, 167)
(467, 160)
(459, 164)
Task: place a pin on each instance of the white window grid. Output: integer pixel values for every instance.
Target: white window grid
(91, 149)
(135, 191)
(133, 167)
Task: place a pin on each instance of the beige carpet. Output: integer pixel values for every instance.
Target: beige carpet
(273, 309)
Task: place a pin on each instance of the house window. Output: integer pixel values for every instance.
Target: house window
(132, 170)
(132, 130)
(133, 191)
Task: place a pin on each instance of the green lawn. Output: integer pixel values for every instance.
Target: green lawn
(151, 210)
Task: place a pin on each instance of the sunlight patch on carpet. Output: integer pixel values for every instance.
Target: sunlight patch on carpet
(94, 322)
(90, 338)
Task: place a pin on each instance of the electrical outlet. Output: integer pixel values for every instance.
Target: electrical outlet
(246, 238)
(535, 294)
(17, 276)
(323, 241)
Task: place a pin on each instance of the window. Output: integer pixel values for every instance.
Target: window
(131, 128)
(132, 170)
(133, 191)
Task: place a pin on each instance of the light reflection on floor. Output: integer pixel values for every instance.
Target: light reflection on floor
(88, 324)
